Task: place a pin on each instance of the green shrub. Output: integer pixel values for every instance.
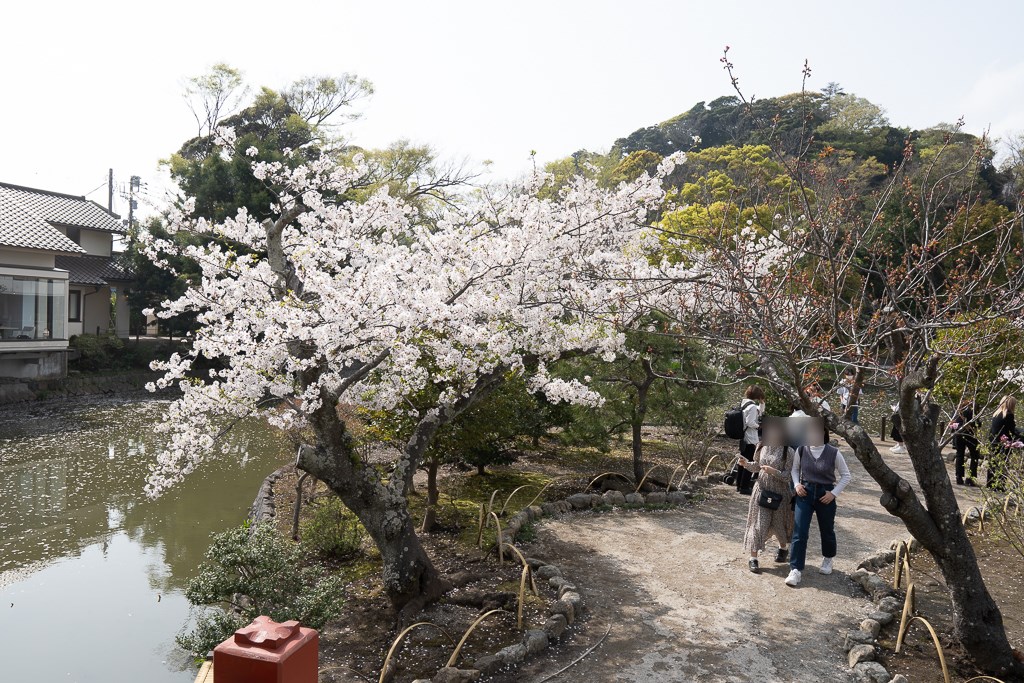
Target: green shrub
(252, 570)
(333, 531)
(102, 352)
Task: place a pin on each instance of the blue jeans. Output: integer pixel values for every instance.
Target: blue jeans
(806, 506)
(854, 414)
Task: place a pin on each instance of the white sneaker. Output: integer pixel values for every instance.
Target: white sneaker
(794, 578)
(826, 565)
(898, 448)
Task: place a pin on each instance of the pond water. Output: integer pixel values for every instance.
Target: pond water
(91, 571)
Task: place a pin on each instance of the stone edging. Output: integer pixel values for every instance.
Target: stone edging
(264, 509)
(570, 604)
(861, 643)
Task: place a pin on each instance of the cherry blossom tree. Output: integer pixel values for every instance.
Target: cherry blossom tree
(332, 302)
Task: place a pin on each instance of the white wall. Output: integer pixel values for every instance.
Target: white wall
(95, 309)
(29, 258)
(96, 242)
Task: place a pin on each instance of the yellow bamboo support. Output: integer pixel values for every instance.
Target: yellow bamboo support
(607, 474)
(935, 641)
(480, 528)
(707, 467)
(981, 516)
(522, 596)
(901, 563)
(458, 648)
(672, 476)
(522, 559)
(398, 641)
(644, 478)
(908, 607)
(490, 504)
(541, 492)
(984, 678)
(510, 496)
(501, 552)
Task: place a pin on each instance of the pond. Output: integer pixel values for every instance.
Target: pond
(92, 572)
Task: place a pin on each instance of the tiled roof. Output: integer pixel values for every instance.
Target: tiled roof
(20, 227)
(91, 270)
(63, 209)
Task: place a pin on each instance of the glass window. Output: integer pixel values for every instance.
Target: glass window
(32, 308)
(75, 306)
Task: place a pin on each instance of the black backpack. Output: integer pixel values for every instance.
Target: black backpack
(735, 425)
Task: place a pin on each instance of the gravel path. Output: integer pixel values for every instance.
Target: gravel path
(682, 606)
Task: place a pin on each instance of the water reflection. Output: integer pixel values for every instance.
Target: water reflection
(77, 534)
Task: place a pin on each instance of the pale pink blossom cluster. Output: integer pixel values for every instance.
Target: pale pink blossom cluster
(502, 281)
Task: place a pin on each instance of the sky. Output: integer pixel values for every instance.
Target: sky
(88, 86)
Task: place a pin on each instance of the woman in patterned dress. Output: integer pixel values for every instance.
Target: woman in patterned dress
(773, 462)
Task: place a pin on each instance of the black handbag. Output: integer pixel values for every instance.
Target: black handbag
(769, 499)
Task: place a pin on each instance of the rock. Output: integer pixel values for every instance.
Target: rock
(656, 498)
(871, 672)
(549, 509)
(557, 582)
(899, 678)
(855, 638)
(883, 618)
(535, 641)
(859, 576)
(563, 608)
(564, 506)
(487, 664)
(635, 498)
(450, 674)
(870, 626)
(513, 654)
(596, 500)
(555, 626)
(877, 587)
(535, 563)
(614, 498)
(860, 653)
(677, 498)
(574, 599)
(547, 572)
(566, 588)
(891, 605)
(537, 511)
(579, 501)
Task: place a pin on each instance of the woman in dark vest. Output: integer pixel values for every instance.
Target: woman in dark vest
(1001, 435)
(965, 439)
(819, 475)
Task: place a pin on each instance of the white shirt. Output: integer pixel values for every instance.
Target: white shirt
(751, 421)
(842, 473)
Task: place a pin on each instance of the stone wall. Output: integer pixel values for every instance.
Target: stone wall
(75, 385)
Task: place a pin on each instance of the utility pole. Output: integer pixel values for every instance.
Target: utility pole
(133, 186)
(110, 190)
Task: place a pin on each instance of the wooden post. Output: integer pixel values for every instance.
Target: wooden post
(882, 435)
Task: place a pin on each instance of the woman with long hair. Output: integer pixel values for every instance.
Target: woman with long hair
(1001, 437)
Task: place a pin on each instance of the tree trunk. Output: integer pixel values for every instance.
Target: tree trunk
(481, 470)
(430, 516)
(938, 525)
(637, 419)
(638, 446)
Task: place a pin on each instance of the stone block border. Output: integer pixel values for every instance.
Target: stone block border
(569, 606)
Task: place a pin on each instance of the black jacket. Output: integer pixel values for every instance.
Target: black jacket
(1002, 425)
(968, 429)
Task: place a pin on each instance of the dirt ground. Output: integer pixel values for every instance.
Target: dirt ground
(682, 606)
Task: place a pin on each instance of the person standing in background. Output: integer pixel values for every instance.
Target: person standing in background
(753, 409)
(1002, 434)
(965, 439)
(845, 392)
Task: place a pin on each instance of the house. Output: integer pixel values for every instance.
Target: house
(58, 278)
